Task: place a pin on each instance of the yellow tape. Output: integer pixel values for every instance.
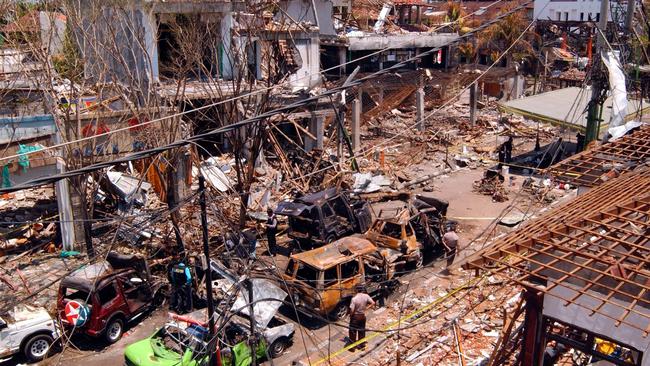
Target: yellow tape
(403, 319)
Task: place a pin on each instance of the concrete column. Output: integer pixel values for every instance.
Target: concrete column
(64, 204)
(62, 190)
(356, 125)
(516, 87)
(342, 59)
(472, 103)
(316, 128)
(227, 57)
(419, 108)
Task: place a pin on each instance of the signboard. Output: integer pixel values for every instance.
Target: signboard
(76, 313)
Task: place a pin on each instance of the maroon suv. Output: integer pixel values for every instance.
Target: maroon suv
(101, 298)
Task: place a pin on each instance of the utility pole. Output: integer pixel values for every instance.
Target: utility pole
(251, 311)
(597, 85)
(208, 272)
(629, 19)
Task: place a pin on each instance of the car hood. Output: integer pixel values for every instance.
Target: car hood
(267, 299)
(149, 352)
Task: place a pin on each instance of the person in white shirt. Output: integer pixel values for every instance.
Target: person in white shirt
(358, 306)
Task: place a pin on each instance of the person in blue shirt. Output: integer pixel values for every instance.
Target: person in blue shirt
(180, 277)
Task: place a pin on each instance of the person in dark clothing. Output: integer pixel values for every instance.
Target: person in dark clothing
(180, 277)
(505, 152)
(553, 352)
(508, 150)
(271, 232)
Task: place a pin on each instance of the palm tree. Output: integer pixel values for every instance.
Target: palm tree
(501, 35)
(454, 15)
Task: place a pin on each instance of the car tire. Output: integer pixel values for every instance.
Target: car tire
(340, 312)
(330, 239)
(419, 263)
(278, 347)
(37, 347)
(114, 330)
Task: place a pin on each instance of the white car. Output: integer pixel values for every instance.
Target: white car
(27, 329)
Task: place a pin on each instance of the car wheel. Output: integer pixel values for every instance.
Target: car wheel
(340, 312)
(330, 239)
(37, 347)
(419, 262)
(277, 348)
(114, 330)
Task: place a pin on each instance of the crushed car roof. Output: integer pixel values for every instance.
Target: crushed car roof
(317, 197)
(267, 296)
(338, 252)
(85, 277)
(287, 208)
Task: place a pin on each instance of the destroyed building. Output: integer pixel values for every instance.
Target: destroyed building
(478, 168)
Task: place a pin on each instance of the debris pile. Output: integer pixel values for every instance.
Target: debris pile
(492, 185)
(27, 221)
(429, 324)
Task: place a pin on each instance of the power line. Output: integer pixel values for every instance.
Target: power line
(258, 118)
(231, 99)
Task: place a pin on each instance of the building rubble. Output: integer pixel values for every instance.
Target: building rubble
(215, 181)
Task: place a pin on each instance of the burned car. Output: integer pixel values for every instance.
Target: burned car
(323, 280)
(398, 234)
(185, 339)
(320, 218)
(101, 298)
(29, 330)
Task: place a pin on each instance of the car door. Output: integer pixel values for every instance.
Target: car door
(331, 288)
(331, 226)
(351, 275)
(110, 301)
(135, 291)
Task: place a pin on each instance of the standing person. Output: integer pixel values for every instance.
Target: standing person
(358, 306)
(181, 280)
(450, 241)
(271, 232)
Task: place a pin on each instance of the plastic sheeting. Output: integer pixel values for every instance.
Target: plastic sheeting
(379, 25)
(616, 132)
(618, 89)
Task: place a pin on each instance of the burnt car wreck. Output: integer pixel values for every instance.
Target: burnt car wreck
(320, 218)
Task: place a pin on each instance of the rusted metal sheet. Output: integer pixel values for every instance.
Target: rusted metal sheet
(595, 166)
(598, 244)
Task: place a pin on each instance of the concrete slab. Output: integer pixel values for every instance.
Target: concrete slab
(580, 315)
(566, 107)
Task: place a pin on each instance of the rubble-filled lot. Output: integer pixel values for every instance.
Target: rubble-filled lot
(450, 159)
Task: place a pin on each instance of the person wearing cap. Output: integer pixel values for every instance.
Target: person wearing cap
(271, 231)
(450, 241)
(358, 305)
(181, 279)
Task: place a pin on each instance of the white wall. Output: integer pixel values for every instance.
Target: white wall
(307, 77)
(546, 9)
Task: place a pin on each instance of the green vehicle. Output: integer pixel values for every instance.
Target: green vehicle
(173, 345)
(183, 341)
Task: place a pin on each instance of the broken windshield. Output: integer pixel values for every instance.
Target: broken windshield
(306, 223)
(70, 293)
